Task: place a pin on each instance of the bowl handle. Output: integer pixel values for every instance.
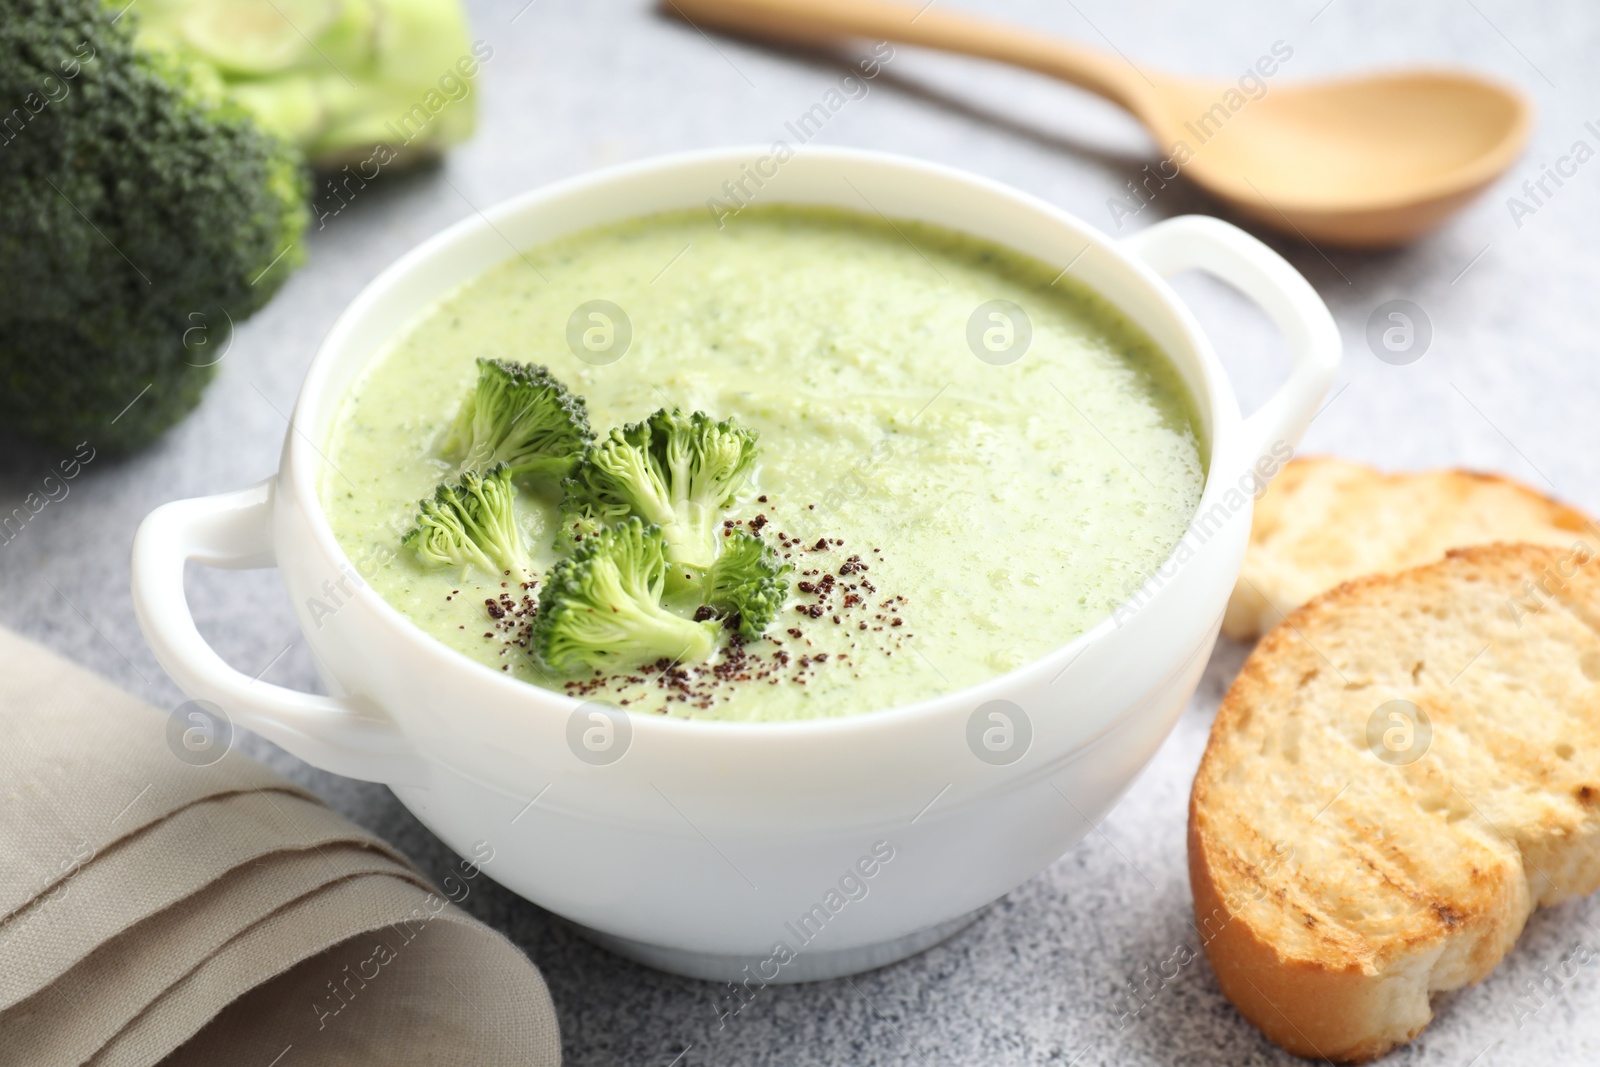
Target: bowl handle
(1198, 242)
(234, 531)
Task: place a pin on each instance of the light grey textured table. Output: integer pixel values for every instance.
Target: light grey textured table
(1509, 383)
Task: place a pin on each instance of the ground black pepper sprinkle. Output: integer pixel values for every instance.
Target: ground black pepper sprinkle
(828, 590)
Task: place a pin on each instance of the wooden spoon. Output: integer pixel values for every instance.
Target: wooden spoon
(1366, 162)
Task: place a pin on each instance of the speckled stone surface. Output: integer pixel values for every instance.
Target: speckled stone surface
(1509, 382)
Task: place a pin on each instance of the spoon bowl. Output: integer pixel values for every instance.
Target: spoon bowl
(1367, 162)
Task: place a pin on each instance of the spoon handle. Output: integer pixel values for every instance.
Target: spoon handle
(811, 21)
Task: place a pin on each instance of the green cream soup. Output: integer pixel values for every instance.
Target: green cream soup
(948, 517)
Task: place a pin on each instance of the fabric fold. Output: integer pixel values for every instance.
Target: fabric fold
(458, 1000)
(156, 911)
(386, 921)
(189, 849)
(83, 765)
(68, 1021)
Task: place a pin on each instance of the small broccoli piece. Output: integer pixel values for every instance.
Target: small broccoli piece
(746, 584)
(601, 607)
(575, 523)
(472, 522)
(520, 415)
(675, 470)
(618, 476)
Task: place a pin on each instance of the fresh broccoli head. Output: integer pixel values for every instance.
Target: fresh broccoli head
(601, 607)
(472, 523)
(747, 584)
(142, 215)
(520, 415)
(678, 471)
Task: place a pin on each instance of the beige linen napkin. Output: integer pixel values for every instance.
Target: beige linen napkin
(404, 1000)
(110, 894)
(72, 1017)
(154, 911)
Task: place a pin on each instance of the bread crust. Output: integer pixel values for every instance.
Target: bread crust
(1326, 520)
(1247, 966)
(1407, 879)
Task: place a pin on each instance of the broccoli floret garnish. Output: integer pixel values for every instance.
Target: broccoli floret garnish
(746, 584)
(601, 608)
(677, 471)
(618, 476)
(520, 415)
(472, 523)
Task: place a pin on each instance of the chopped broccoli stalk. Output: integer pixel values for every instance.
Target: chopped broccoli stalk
(677, 471)
(472, 523)
(335, 77)
(601, 608)
(518, 414)
(746, 584)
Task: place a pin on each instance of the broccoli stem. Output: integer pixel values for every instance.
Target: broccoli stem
(637, 632)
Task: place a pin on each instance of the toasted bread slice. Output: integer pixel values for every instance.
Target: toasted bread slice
(1346, 864)
(1324, 521)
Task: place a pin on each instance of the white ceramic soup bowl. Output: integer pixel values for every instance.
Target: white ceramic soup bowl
(761, 852)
